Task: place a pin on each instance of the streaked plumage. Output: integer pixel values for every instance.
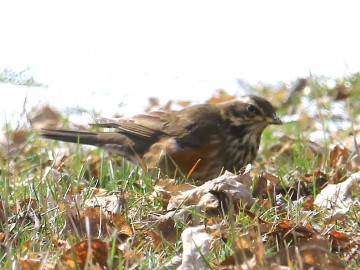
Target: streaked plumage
(203, 140)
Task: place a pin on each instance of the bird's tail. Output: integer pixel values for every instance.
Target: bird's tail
(82, 137)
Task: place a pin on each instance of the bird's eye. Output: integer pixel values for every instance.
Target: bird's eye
(252, 109)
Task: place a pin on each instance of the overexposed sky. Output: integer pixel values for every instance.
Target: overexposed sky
(102, 53)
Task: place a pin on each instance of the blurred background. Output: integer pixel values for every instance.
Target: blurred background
(111, 56)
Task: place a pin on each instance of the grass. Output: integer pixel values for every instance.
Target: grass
(44, 194)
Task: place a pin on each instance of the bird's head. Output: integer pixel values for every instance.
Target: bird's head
(250, 110)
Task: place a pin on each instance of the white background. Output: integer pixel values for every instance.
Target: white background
(99, 54)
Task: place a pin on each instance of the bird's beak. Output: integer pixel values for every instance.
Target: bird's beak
(274, 120)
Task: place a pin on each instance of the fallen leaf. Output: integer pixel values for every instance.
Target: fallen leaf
(108, 201)
(121, 225)
(196, 248)
(207, 195)
(338, 156)
(20, 136)
(310, 254)
(308, 204)
(338, 196)
(243, 259)
(220, 96)
(12, 145)
(340, 163)
(32, 264)
(154, 239)
(342, 92)
(167, 188)
(339, 236)
(89, 252)
(45, 117)
(166, 228)
(94, 222)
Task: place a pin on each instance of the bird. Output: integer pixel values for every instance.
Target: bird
(200, 141)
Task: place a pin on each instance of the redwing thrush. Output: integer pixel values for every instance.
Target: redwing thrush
(200, 140)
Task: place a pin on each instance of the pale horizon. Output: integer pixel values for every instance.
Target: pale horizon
(101, 54)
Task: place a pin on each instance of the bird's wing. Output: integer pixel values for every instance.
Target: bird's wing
(146, 126)
(190, 126)
(194, 126)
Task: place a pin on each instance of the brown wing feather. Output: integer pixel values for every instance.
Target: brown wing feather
(194, 127)
(180, 125)
(147, 126)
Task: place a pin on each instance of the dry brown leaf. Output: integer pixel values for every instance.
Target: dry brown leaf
(214, 221)
(272, 178)
(167, 229)
(220, 96)
(196, 248)
(190, 215)
(338, 156)
(338, 196)
(30, 245)
(310, 254)
(265, 185)
(20, 136)
(11, 146)
(154, 239)
(308, 204)
(131, 257)
(90, 220)
(243, 259)
(2, 237)
(45, 117)
(168, 188)
(83, 255)
(339, 236)
(111, 202)
(288, 231)
(347, 243)
(249, 254)
(94, 221)
(340, 163)
(121, 225)
(29, 264)
(342, 92)
(60, 244)
(261, 187)
(318, 177)
(210, 194)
